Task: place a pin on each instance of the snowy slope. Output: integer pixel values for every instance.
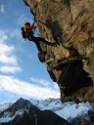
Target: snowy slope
(66, 110)
(14, 111)
(23, 112)
(4, 106)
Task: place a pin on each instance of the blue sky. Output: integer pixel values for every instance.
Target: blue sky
(21, 73)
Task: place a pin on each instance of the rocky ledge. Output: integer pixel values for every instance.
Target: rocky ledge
(70, 61)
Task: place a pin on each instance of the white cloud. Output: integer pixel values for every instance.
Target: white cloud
(3, 37)
(10, 69)
(16, 86)
(8, 61)
(2, 8)
(6, 54)
(56, 86)
(40, 81)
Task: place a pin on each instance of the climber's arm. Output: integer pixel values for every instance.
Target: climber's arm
(33, 26)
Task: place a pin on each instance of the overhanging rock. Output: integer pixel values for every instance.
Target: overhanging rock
(70, 62)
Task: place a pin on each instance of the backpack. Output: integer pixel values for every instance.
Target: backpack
(23, 33)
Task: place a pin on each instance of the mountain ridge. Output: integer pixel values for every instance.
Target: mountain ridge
(23, 112)
(26, 109)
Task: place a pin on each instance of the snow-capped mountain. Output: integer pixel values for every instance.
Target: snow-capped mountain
(4, 106)
(67, 110)
(36, 110)
(23, 112)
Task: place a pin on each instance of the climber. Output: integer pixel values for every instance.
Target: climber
(27, 29)
(27, 32)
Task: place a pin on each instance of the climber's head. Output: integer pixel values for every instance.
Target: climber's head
(27, 27)
(27, 24)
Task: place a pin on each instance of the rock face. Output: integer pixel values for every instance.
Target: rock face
(70, 62)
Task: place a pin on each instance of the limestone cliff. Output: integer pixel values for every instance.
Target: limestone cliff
(70, 62)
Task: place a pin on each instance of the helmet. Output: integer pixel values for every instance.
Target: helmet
(27, 23)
